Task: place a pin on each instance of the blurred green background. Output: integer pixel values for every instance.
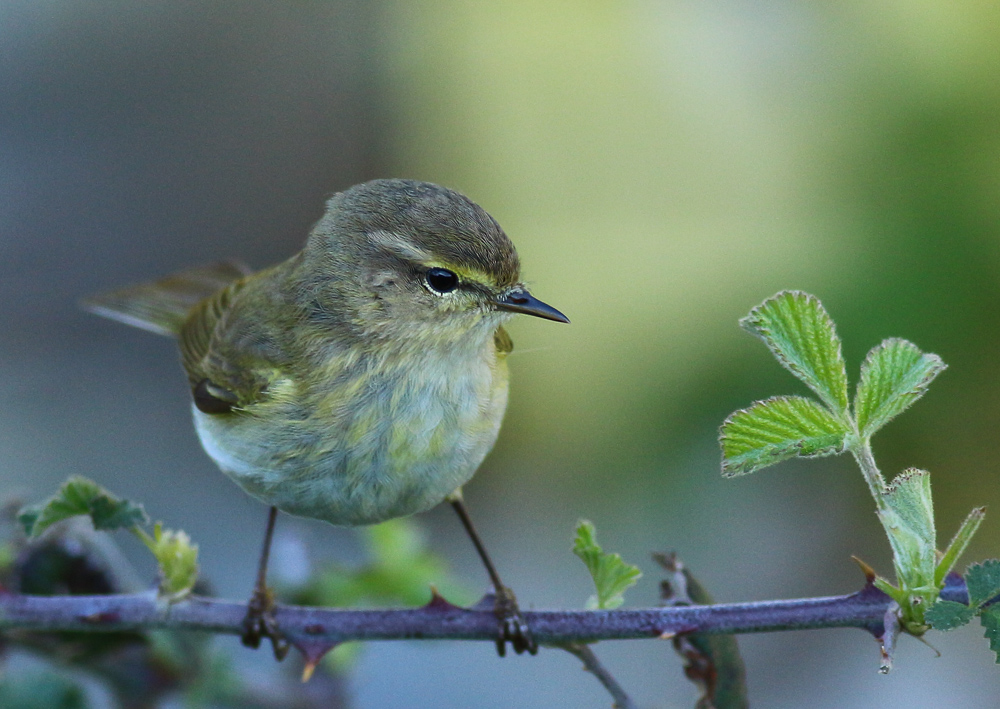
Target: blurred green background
(662, 167)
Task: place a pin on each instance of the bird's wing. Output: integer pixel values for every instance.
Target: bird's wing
(163, 306)
(224, 373)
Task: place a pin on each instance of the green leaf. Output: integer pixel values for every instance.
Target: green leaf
(957, 545)
(80, 496)
(177, 558)
(612, 576)
(948, 615)
(777, 429)
(990, 618)
(894, 375)
(798, 331)
(983, 581)
(907, 514)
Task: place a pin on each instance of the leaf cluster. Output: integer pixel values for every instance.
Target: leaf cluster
(983, 584)
(175, 555)
(802, 337)
(895, 374)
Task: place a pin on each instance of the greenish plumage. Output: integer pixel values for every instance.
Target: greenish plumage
(364, 378)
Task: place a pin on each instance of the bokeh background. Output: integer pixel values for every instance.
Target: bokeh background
(662, 167)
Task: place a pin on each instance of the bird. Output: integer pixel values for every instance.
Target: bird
(363, 379)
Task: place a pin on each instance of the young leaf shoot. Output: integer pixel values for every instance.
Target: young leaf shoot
(612, 576)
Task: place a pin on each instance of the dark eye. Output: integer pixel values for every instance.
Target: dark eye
(441, 280)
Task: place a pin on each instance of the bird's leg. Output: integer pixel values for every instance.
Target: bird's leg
(512, 626)
(260, 621)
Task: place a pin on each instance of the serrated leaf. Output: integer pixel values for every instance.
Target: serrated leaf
(109, 513)
(612, 576)
(990, 618)
(948, 615)
(777, 429)
(894, 375)
(177, 558)
(907, 514)
(80, 496)
(983, 581)
(799, 332)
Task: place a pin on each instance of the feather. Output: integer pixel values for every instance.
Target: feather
(163, 306)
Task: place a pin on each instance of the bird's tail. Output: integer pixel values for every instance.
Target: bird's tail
(163, 306)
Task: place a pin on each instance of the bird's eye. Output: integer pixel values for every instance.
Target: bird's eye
(441, 280)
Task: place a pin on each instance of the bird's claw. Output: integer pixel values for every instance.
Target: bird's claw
(512, 627)
(260, 622)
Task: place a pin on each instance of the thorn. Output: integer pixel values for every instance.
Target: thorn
(487, 602)
(868, 571)
(439, 602)
(307, 671)
(313, 651)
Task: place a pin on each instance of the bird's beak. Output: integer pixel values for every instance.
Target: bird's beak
(521, 301)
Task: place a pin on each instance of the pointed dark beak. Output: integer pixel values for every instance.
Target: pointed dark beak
(521, 301)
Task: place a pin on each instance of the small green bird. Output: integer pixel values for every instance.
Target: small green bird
(365, 378)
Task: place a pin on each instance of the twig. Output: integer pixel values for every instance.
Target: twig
(440, 620)
(594, 666)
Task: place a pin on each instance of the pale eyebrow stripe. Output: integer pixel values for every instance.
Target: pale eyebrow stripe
(399, 246)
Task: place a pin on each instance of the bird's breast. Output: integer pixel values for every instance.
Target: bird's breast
(366, 443)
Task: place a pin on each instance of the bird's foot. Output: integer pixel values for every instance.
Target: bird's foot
(512, 627)
(260, 623)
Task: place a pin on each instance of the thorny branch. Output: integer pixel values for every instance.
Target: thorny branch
(440, 620)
